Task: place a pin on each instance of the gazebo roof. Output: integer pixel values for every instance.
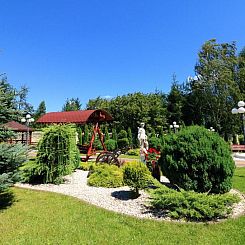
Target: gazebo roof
(77, 117)
(15, 126)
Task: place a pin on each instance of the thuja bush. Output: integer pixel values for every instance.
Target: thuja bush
(137, 176)
(110, 145)
(106, 176)
(192, 206)
(57, 154)
(197, 159)
(11, 158)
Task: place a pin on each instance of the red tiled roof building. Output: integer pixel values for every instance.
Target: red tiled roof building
(77, 117)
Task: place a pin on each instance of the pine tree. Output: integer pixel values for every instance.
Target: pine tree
(41, 110)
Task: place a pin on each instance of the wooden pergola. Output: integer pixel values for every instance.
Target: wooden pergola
(80, 117)
(21, 130)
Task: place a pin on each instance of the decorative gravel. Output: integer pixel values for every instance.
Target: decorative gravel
(114, 199)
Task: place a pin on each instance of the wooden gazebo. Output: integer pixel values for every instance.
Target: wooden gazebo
(80, 117)
(21, 130)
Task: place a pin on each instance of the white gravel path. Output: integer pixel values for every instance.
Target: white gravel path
(114, 199)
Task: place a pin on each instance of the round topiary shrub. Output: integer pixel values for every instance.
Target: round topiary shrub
(123, 143)
(197, 159)
(110, 145)
(136, 175)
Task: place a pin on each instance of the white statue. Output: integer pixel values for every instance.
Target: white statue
(142, 137)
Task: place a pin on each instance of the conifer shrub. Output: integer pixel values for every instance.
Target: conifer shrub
(155, 142)
(105, 175)
(86, 166)
(97, 144)
(197, 159)
(137, 176)
(192, 206)
(11, 158)
(57, 154)
(123, 143)
(110, 145)
(122, 134)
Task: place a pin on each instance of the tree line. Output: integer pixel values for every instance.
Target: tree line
(205, 99)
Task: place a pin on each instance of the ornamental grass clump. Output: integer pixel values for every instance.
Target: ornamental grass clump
(197, 159)
(57, 154)
(137, 176)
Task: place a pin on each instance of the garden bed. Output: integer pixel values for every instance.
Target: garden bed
(114, 199)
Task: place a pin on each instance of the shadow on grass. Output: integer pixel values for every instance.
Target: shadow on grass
(124, 195)
(6, 200)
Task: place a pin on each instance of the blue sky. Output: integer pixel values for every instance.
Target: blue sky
(74, 48)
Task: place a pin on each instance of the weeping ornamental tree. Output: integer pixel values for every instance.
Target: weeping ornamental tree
(58, 154)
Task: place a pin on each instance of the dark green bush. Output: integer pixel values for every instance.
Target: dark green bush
(57, 154)
(106, 176)
(155, 142)
(136, 175)
(122, 134)
(123, 143)
(197, 159)
(30, 172)
(97, 144)
(11, 158)
(110, 145)
(192, 206)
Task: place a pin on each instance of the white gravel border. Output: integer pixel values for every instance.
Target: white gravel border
(114, 199)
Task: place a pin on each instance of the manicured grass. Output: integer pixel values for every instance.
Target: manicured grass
(37, 217)
(129, 156)
(239, 179)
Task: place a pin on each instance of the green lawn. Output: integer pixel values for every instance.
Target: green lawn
(239, 179)
(38, 217)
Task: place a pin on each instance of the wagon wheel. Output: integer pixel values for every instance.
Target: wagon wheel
(107, 157)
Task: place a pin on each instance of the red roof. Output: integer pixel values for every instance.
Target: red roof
(15, 126)
(78, 117)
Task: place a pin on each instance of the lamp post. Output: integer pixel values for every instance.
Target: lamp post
(174, 126)
(211, 129)
(240, 110)
(27, 120)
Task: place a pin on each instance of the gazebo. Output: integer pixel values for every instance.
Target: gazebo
(21, 131)
(77, 117)
(80, 117)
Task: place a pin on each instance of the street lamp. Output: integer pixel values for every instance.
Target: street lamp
(240, 110)
(27, 120)
(211, 129)
(174, 126)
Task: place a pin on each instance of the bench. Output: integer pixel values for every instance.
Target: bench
(238, 147)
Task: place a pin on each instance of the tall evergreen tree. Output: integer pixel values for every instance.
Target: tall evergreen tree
(175, 100)
(72, 104)
(41, 110)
